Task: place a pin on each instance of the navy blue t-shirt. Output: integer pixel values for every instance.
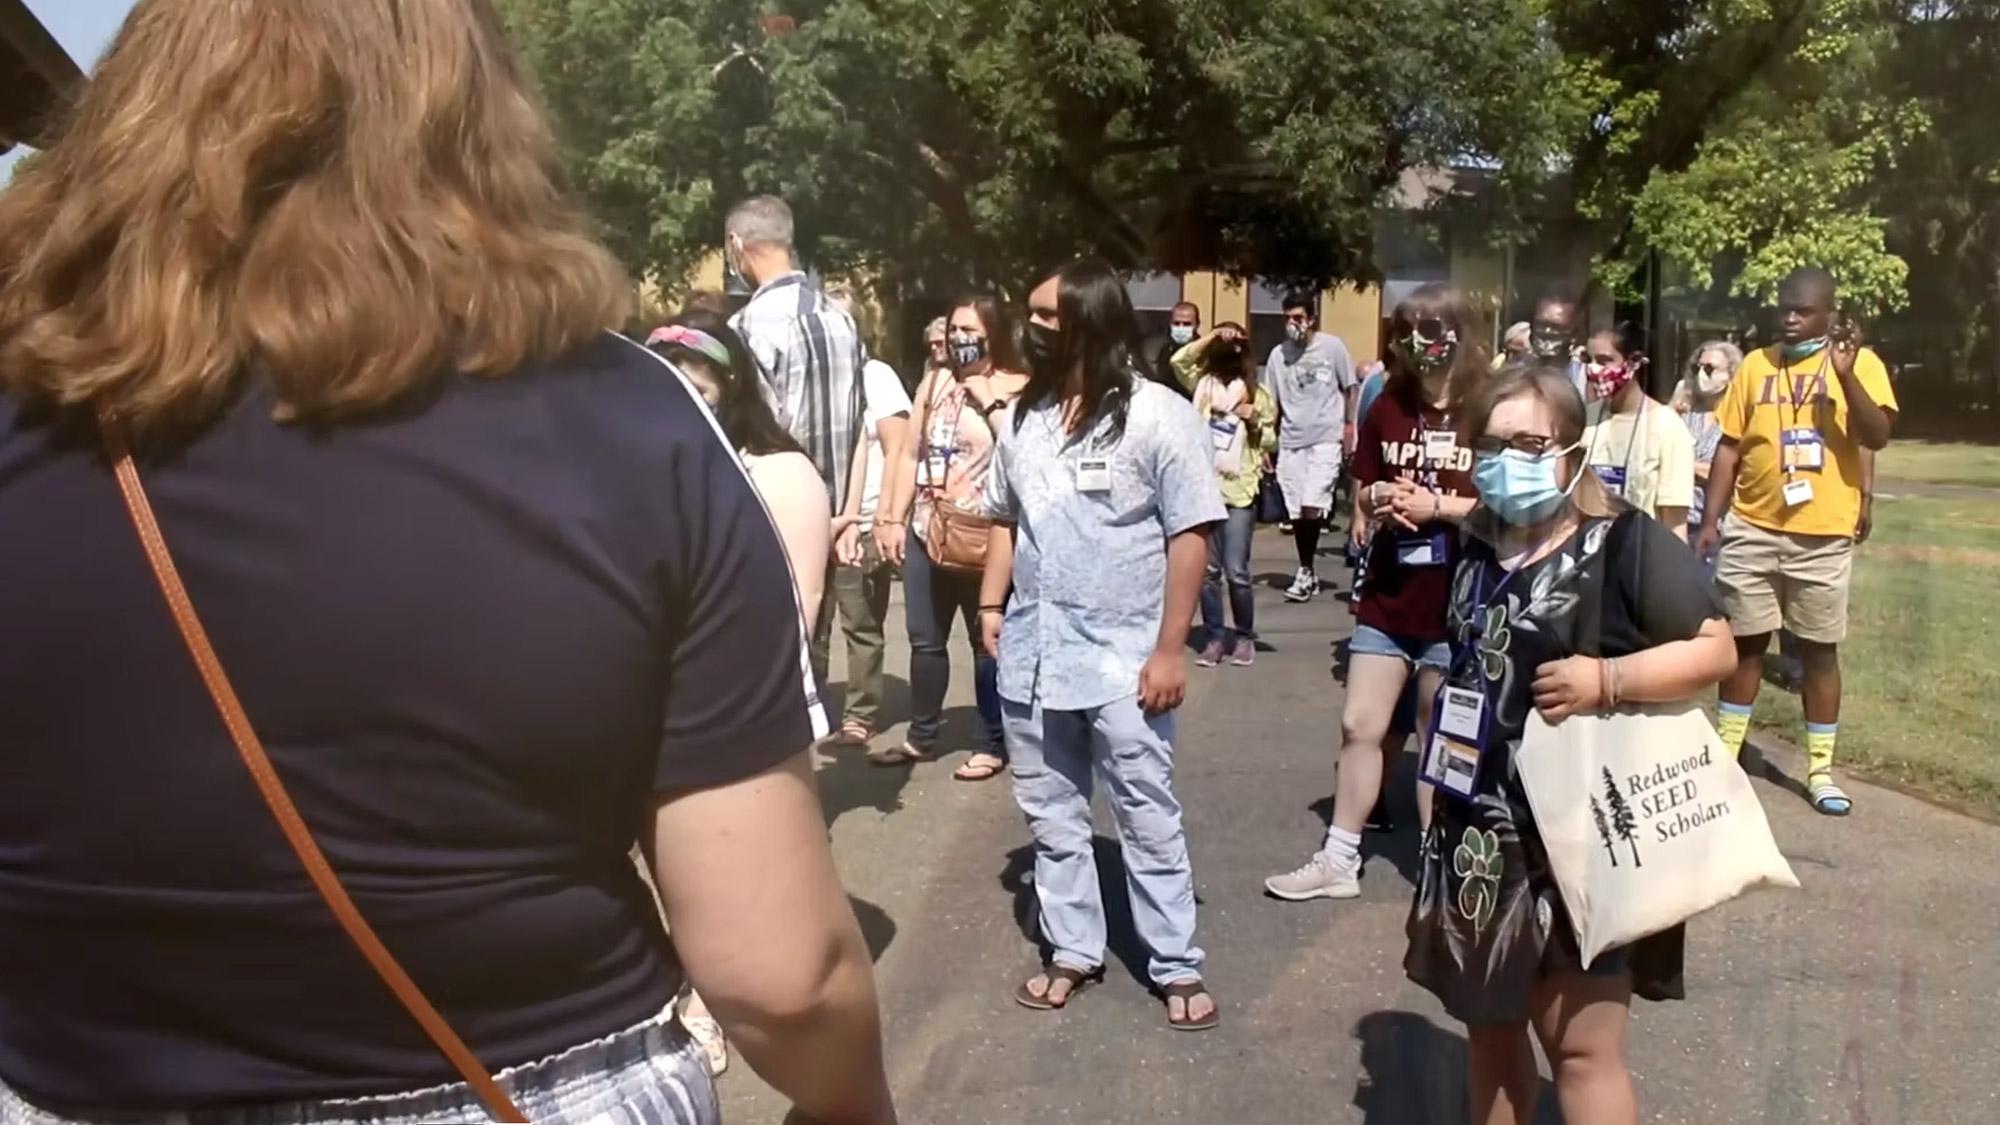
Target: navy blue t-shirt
(477, 638)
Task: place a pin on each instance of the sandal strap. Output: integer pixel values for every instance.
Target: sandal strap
(1185, 989)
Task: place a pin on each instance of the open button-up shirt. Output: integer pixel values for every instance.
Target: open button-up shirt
(1090, 568)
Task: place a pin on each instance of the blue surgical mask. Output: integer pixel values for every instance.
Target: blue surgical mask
(1181, 334)
(1804, 349)
(1520, 487)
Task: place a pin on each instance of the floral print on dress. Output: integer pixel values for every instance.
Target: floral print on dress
(1478, 864)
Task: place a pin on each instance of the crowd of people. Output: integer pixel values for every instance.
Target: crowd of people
(470, 572)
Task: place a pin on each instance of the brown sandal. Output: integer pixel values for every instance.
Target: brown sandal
(1078, 980)
(976, 770)
(902, 755)
(1185, 991)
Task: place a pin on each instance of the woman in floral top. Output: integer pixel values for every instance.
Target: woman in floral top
(1556, 597)
(1240, 415)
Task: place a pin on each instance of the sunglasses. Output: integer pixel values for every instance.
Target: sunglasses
(1431, 328)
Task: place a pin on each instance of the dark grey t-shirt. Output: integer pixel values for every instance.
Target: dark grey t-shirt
(476, 638)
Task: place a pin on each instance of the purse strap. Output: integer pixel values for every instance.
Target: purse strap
(278, 800)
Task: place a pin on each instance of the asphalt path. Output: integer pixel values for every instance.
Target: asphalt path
(1866, 997)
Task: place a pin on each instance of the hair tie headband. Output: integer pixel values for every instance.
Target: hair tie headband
(693, 339)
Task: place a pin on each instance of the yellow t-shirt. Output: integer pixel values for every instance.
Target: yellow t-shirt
(1769, 399)
(1646, 456)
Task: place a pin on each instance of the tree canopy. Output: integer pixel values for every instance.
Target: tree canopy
(954, 140)
(939, 142)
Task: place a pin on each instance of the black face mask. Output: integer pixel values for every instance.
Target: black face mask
(967, 352)
(1042, 346)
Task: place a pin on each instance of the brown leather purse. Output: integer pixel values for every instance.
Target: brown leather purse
(955, 539)
(279, 801)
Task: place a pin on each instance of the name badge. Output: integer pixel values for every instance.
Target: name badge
(1093, 474)
(1798, 491)
(1613, 478)
(1440, 447)
(1421, 550)
(1458, 736)
(1802, 448)
(934, 468)
(1221, 431)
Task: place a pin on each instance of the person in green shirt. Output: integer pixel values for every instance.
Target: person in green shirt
(1241, 418)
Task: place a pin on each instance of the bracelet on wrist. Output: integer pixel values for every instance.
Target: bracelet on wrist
(993, 609)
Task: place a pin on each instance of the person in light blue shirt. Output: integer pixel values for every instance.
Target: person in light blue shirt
(1103, 486)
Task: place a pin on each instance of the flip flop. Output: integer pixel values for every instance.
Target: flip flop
(902, 755)
(854, 733)
(1079, 979)
(1827, 798)
(975, 770)
(1185, 991)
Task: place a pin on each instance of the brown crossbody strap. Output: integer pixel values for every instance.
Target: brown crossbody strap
(280, 802)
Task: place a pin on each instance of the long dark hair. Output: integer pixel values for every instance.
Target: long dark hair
(1003, 338)
(1099, 334)
(746, 419)
(1470, 364)
(1228, 360)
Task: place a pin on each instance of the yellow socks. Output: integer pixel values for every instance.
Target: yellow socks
(1732, 722)
(1819, 747)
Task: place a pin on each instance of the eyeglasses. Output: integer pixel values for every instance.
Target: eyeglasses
(1707, 368)
(1532, 444)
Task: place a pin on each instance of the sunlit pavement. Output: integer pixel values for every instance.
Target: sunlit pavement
(1867, 997)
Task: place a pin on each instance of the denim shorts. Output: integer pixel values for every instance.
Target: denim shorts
(1370, 641)
(651, 1074)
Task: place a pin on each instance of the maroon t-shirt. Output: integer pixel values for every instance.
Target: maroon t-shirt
(1409, 574)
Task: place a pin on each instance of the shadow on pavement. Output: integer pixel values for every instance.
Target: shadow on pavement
(1121, 938)
(1413, 1073)
(877, 928)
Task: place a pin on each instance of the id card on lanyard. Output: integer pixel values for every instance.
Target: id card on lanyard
(1801, 448)
(1460, 720)
(1462, 715)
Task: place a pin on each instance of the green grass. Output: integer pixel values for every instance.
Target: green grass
(1921, 665)
(1941, 462)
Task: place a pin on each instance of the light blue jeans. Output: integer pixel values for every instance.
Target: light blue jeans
(1055, 754)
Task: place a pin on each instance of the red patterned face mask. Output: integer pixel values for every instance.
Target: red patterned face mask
(1606, 380)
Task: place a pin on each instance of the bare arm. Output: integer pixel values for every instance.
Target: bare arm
(1865, 417)
(899, 479)
(762, 924)
(1721, 493)
(994, 582)
(796, 497)
(1678, 670)
(1667, 673)
(1163, 679)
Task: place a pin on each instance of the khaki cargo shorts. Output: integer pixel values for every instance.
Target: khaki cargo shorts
(1769, 579)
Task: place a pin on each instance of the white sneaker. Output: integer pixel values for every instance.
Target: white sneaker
(1304, 585)
(1322, 877)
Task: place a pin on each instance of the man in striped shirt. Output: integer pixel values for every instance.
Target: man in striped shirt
(808, 352)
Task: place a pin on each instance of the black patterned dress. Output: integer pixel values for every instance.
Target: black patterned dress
(1488, 922)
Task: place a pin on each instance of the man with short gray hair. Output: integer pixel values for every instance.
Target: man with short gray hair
(808, 350)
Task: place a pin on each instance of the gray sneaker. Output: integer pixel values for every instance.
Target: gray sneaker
(1321, 877)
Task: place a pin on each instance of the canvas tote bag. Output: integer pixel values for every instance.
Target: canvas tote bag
(1648, 821)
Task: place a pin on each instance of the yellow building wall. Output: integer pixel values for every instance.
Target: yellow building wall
(1354, 315)
(1481, 274)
